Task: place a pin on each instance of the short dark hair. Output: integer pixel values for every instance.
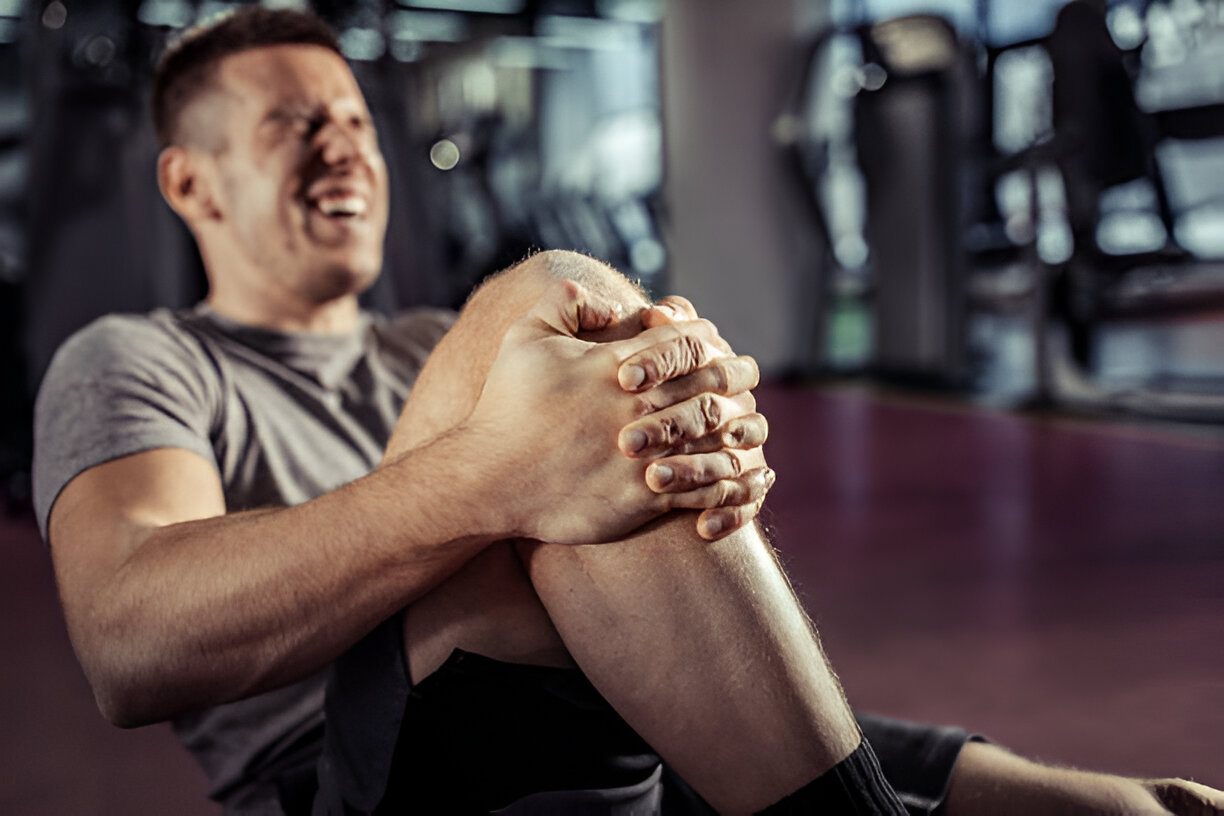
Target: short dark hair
(186, 67)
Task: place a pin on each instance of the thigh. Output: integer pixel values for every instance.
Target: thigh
(488, 608)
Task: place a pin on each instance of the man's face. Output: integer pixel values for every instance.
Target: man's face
(302, 185)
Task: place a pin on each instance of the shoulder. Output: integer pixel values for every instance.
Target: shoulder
(127, 341)
(121, 385)
(131, 364)
(152, 359)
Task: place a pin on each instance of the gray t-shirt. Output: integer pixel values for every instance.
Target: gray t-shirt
(283, 417)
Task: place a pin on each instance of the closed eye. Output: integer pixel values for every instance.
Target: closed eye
(302, 124)
(308, 126)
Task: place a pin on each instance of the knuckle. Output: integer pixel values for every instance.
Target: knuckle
(692, 476)
(669, 361)
(735, 466)
(670, 429)
(761, 482)
(736, 434)
(692, 352)
(687, 476)
(734, 518)
(711, 411)
(751, 431)
(721, 378)
(660, 364)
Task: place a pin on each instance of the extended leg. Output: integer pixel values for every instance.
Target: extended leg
(989, 779)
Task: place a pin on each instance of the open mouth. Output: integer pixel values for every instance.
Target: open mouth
(340, 205)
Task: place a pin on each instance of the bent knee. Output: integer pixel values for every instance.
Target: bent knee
(520, 286)
(450, 383)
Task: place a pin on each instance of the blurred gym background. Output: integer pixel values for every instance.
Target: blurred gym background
(977, 247)
(1013, 202)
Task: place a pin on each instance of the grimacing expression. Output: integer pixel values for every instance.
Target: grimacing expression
(302, 182)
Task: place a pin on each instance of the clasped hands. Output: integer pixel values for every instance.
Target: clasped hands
(622, 417)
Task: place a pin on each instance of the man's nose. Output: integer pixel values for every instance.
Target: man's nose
(337, 144)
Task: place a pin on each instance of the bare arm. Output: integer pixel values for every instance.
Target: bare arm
(173, 605)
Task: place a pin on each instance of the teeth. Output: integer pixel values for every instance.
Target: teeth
(342, 205)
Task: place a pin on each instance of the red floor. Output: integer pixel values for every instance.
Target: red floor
(1057, 585)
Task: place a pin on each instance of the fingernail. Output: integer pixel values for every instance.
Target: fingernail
(631, 376)
(770, 476)
(713, 527)
(663, 475)
(633, 441)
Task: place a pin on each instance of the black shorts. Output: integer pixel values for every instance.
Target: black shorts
(475, 736)
(479, 735)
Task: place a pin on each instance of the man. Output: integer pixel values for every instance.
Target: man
(178, 603)
(204, 478)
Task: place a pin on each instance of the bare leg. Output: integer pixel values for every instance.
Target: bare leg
(702, 648)
(704, 651)
(989, 779)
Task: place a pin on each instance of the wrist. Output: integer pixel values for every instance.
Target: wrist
(475, 481)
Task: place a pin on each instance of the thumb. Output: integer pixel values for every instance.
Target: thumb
(568, 308)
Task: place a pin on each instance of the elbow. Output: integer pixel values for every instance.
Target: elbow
(125, 697)
(118, 714)
(125, 705)
(124, 712)
(134, 692)
(129, 682)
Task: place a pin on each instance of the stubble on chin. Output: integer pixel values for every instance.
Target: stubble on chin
(340, 280)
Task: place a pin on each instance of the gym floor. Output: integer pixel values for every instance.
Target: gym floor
(1054, 583)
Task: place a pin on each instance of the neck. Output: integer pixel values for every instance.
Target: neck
(337, 316)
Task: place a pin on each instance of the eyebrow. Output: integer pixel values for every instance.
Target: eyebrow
(303, 108)
(290, 110)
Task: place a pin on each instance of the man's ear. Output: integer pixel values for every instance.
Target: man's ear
(186, 186)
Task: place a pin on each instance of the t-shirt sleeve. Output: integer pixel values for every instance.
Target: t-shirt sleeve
(121, 385)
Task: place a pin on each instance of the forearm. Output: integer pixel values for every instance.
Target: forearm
(213, 610)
